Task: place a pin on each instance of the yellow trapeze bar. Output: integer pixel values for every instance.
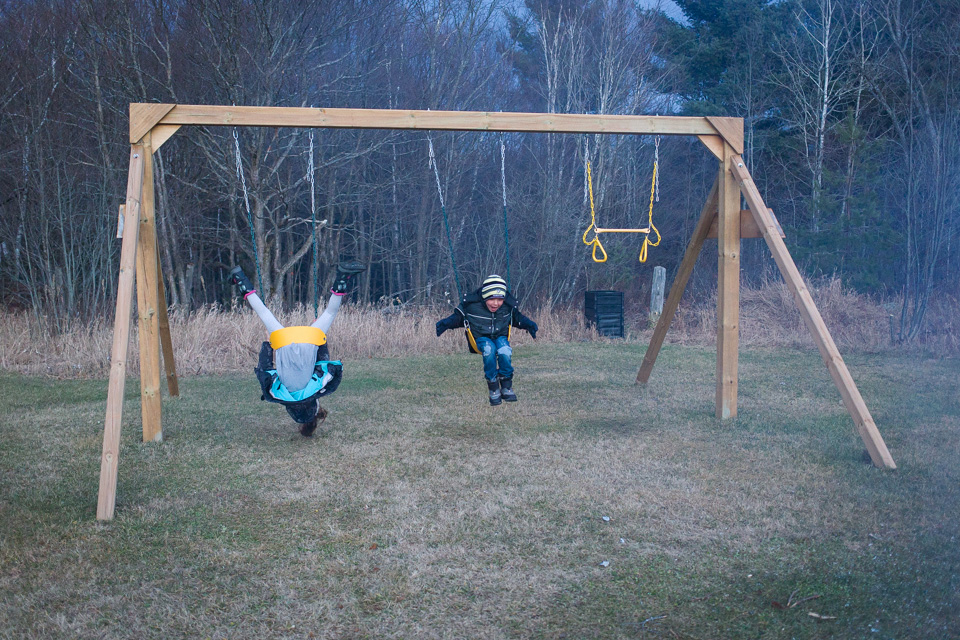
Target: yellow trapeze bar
(289, 335)
(647, 230)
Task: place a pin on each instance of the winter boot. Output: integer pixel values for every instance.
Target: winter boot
(345, 272)
(239, 278)
(495, 397)
(306, 430)
(506, 390)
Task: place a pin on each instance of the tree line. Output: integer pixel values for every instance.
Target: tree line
(851, 110)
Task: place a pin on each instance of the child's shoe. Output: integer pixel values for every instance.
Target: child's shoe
(495, 397)
(239, 278)
(346, 271)
(506, 390)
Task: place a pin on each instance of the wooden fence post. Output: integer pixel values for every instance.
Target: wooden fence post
(656, 293)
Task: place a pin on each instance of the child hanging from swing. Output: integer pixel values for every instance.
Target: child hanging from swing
(296, 374)
(488, 313)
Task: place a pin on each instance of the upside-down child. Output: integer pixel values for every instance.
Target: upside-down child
(488, 313)
(295, 374)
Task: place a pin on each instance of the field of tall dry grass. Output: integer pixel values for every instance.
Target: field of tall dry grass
(216, 339)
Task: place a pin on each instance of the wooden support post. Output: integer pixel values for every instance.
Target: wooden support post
(728, 287)
(148, 290)
(106, 500)
(166, 343)
(852, 399)
(707, 216)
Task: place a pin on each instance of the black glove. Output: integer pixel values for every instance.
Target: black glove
(530, 326)
(445, 324)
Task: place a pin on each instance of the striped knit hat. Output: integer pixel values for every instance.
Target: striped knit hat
(493, 287)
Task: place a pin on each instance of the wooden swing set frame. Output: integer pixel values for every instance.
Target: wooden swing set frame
(151, 125)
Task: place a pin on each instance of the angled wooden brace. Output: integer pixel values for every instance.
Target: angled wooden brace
(707, 217)
(852, 399)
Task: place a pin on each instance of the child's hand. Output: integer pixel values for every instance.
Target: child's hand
(443, 325)
(530, 326)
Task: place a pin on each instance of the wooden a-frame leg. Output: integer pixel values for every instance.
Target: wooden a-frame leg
(707, 216)
(728, 287)
(148, 303)
(852, 399)
(109, 460)
(166, 343)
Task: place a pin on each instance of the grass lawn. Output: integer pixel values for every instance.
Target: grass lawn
(592, 508)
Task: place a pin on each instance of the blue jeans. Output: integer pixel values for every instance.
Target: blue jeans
(496, 355)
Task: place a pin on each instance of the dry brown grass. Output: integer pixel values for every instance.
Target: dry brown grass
(769, 318)
(214, 340)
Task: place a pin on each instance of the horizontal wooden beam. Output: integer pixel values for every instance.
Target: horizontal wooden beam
(229, 116)
(748, 226)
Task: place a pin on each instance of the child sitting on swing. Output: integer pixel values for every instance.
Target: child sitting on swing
(488, 313)
(296, 374)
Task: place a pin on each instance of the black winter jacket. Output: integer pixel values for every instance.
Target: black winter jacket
(483, 323)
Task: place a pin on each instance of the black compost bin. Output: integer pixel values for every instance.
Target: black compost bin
(604, 310)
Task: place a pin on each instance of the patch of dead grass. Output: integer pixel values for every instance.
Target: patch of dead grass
(423, 512)
(213, 340)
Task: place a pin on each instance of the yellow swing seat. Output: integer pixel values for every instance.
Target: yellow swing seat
(289, 335)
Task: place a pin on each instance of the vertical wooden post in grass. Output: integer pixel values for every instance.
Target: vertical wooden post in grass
(728, 286)
(656, 292)
(148, 303)
(106, 500)
(852, 399)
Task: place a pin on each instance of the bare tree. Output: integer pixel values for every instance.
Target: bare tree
(921, 100)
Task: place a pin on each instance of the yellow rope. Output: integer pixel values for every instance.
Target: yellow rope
(593, 223)
(646, 241)
(595, 241)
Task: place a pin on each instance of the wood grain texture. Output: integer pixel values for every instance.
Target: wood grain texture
(143, 117)
(852, 399)
(728, 288)
(109, 459)
(148, 296)
(210, 115)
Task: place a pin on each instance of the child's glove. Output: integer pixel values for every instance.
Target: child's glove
(530, 326)
(445, 324)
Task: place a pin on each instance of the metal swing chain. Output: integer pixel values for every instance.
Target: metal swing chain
(656, 164)
(313, 220)
(433, 165)
(246, 202)
(446, 221)
(503, 182)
